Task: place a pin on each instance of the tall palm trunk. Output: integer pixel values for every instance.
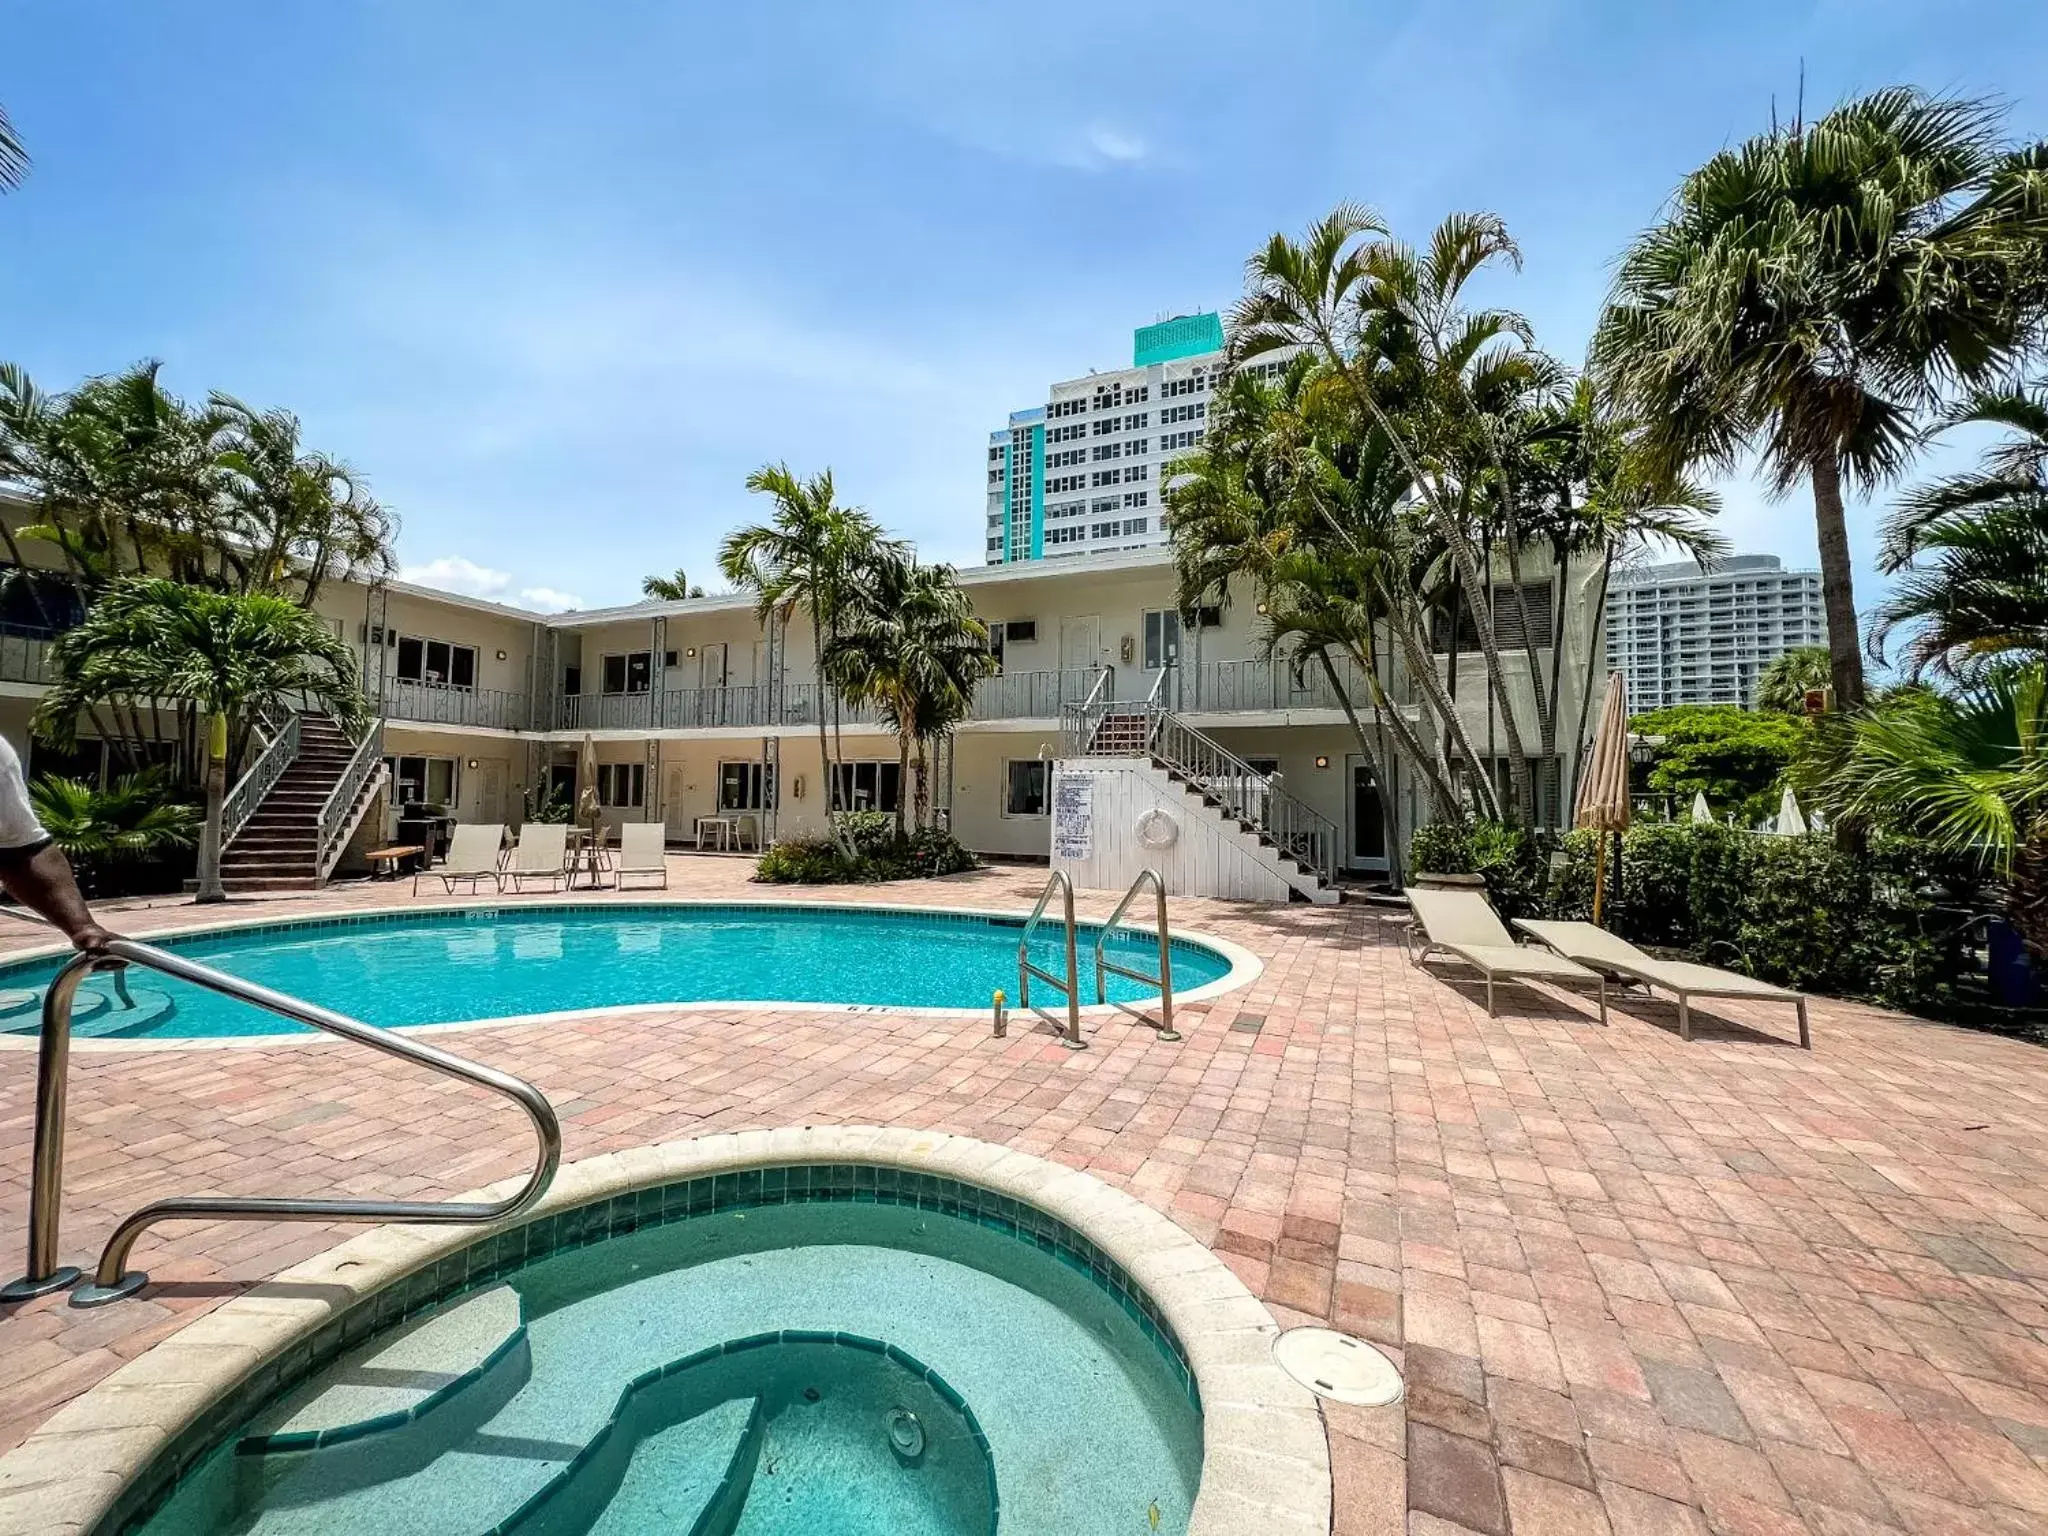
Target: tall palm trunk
(1837, 584)
(824, 737)
(210, 888)
(2027, 893)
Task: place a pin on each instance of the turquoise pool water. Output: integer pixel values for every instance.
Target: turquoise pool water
(494, 962)
(835, 1363)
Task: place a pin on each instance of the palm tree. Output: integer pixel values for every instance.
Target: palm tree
(671, 589)
(1811, 293)
(1787, 678)
(1984, 596)
(1967, 772)
(13, 158)
(807, 557)
(149, 640)
(135, 817)
(911, 645)
(296, 517)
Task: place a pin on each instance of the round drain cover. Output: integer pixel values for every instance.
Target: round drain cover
(1337, 1366)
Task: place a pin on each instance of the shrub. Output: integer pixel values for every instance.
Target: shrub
(878, 854)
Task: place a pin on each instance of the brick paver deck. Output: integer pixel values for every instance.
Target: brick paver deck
(1636, 1286)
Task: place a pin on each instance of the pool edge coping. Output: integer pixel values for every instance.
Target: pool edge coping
(1265, 1455)
(1245, 968)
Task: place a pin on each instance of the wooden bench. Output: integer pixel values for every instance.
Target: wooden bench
(384, 862)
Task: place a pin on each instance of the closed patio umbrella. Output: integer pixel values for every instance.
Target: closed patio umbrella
(1702, 813)
(1603, 792)
(588, 812)
(1790, 822)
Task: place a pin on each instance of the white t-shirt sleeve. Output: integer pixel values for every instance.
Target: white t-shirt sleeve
(18, 825)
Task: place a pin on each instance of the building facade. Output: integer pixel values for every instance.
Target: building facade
(1684, 636)
(1083, 473)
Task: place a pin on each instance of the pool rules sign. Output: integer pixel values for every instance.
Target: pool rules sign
(1073, 816)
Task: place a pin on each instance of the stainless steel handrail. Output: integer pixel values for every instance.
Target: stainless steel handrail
(110, 1280)
(1105, 967)
(1070, 1032)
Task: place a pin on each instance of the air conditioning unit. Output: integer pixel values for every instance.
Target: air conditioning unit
(1020, 630)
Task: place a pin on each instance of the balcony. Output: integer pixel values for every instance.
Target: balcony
(1234, 687)
(1031, 695)
(495, 709)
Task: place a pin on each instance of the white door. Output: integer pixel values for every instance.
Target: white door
(490, 796)
(1080, 642)
(711, 666)
(1365, 817)
(674, 813)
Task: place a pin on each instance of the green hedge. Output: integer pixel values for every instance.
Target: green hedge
(878, 854)
(1799, 911)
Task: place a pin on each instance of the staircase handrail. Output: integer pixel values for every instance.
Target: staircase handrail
(250, 790)
(1298, 829)
(336, 822)
(1077, 721)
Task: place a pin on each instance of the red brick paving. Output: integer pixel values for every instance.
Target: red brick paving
(1637, 1286)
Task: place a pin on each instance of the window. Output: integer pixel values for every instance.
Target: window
(872, 786)
(1061, 483)
(436, 661)
(995, 454)
(1071, 535)
(740, 785)
(1066, 457)
(1137, 448)
(1107, 425)
(1066, 509)
(1162, 638)
(1507, 619)
(1136, 498)
(1108, 451)
(1107, 477)
(1139, 395)
(623, 784)
(1199, 411)
(1209, 616)
(628, 673)
(1134, 472)
(1137, 524)
(422, 780)
(1024, 786)
(1103, 531)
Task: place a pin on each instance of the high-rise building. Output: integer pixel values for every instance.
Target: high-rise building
(1083, 472)
(1683, 636)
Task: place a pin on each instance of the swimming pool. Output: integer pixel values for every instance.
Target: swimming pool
(488, 962)
(835, 1348)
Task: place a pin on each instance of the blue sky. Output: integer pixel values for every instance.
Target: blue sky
(557, 277)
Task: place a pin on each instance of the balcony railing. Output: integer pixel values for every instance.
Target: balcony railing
(1032, 695)
(496, 709)
(1230, 687)
(25, 660)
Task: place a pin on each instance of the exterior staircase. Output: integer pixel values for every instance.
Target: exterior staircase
(278, 847)
(1298, 843)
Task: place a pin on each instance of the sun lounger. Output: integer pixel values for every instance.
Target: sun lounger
(1461, 924)
(1603, 952)
(473, 855)
(540, 854)
(643, 851)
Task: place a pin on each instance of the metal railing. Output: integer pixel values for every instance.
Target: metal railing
(1105, 967)
(1070, 1032)
(1246, 686)
(278, 754)
(111, 1278)
(497, 709)
(343, 807)
(607, 712)
(710, 708)
(1033, 695)
(1244, 793)
(1078, 721)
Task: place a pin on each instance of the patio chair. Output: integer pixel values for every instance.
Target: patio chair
(542, 853)
(643, 851)
(473, 855)
(1462, 925)
(1612, 956)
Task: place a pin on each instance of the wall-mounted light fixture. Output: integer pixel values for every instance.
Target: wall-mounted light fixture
(690, 651)
(501, 655)
(1262, 610)
(1322, 762)
(473, 762)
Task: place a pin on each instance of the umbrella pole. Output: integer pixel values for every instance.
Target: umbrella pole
(1599, 876)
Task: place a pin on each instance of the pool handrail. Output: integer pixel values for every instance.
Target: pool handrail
(1105, 967)
(110, 1280)
(1070, 1032)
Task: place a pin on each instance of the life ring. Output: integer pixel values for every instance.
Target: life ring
(1157, 829)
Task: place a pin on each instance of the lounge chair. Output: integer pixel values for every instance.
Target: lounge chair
(1461, 924)
(541, 853)
(643, 851)
(472, 855)
(1611, 956)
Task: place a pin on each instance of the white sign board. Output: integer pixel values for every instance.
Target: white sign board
(1073, 817)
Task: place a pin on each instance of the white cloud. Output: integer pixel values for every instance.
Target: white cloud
(1117, 146)
(548, 600)
(452, 573)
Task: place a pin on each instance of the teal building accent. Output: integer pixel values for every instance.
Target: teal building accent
(1038, 490)
(1182, 336)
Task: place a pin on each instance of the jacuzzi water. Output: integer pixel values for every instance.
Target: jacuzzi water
(495, 962)
(832, 1368)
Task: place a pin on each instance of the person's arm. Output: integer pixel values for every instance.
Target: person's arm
(40, 879)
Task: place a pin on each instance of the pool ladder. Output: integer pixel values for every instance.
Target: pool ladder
(1070, 984)
(112, 1280)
